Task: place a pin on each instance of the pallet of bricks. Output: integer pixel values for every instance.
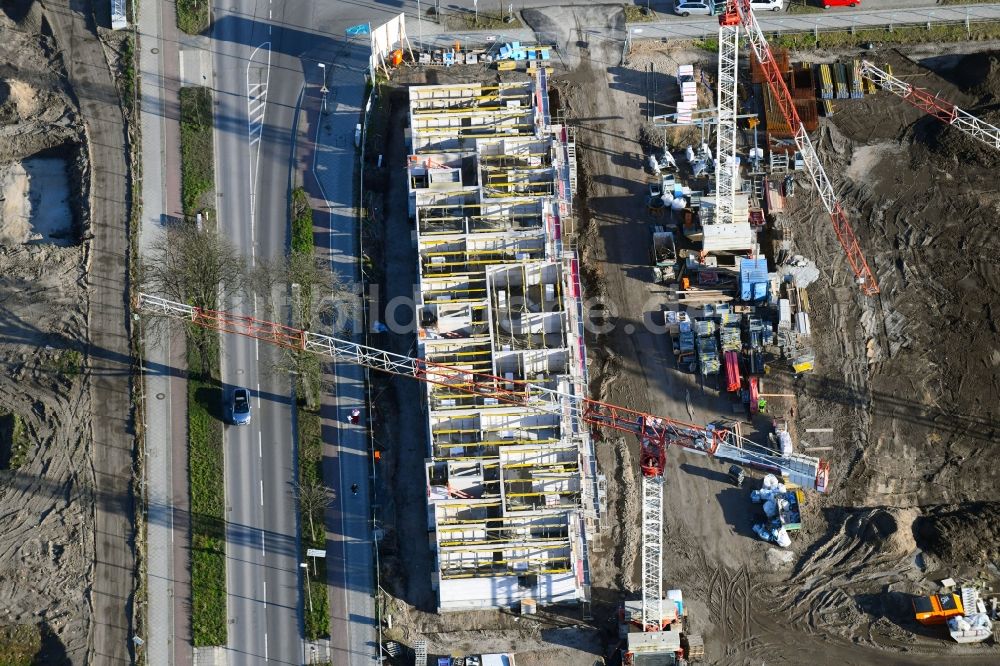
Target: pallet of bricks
(689, 93)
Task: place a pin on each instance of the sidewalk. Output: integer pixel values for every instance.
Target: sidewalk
(328, 161)
(168, 639)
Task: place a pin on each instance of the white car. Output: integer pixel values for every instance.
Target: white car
(767, 5)
(697, 7)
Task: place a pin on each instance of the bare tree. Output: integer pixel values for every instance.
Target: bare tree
(314, 498)
(200, 268)
(307, 293)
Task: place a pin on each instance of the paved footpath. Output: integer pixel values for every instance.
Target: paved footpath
(328, 159)
(89, 75)
(168, 621)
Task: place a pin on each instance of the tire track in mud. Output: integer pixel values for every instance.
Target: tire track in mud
(729, 596)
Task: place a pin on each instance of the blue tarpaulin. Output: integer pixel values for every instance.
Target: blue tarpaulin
(753, 280)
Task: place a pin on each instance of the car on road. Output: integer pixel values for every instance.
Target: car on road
(697, 7)
(239, 407)
(767, 5)
(840, 3)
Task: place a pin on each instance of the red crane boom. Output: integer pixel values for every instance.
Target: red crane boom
(655, 433)
(739, 10)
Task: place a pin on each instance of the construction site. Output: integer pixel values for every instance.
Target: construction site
(508, 488)
(698, 361)
(714, 333)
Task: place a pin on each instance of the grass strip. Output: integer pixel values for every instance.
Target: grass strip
(197, 158)
(192, 16)
(467, 20)
(803, 7)
(20, 645)
(915, 34)
(205, 469)
(312, 494)
(317, 610)
(635, 14)
(15, 440)
(302, 223)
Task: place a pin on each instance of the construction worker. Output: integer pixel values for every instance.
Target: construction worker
(762, 405)
(355, 417)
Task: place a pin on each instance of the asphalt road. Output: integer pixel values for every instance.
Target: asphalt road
(873, 14)
(263, 53)
(255, 94)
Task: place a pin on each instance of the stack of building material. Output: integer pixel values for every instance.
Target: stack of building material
(729, 334)
(733, 379)
(780, 57)
(857, 91)
(707, 347)
(754, 282)
(825, 82)
(695, 646)
(801, 82)
(708, 354)
(689, 93)
(840, 81)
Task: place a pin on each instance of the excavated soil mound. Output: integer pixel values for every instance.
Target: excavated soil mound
(961, 533)
(978, 76)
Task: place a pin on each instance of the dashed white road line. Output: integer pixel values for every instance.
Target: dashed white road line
(262, 492)
(260, 445)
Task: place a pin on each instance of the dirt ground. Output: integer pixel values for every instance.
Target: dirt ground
(46, 530)
(907, 382)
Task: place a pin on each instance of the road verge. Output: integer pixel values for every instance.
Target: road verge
(205, 444)
(312, 495)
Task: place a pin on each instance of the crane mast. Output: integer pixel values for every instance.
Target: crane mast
(740, 10)
(725, 136)
(941, 109)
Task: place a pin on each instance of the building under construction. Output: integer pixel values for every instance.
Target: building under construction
(513, 495)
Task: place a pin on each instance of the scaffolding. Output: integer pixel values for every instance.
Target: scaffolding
(510, 490)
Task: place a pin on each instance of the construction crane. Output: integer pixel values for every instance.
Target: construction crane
(655, 433)
(738, 13)
(725, 135)
(941, 109)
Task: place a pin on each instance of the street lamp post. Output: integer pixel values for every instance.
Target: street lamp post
(308, 586)
(420, 25)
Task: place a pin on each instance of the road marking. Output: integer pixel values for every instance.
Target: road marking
(265, 582)
(262, 492)
(256, 112)
(263, 552)
(260, 444)
(265, 641)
